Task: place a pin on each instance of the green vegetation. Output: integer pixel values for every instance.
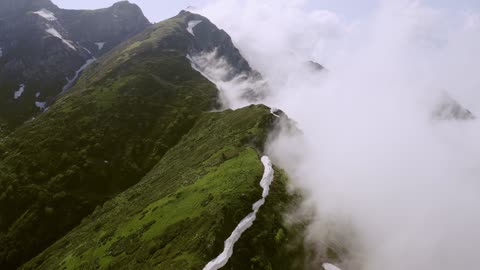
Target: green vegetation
(127, 110)
(179, 215)
(129, 170)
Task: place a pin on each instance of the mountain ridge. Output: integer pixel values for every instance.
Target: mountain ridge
(222, 164)
(44, 47)
(126, 111)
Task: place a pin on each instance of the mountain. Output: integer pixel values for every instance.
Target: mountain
(450, 109)
(182, 211)
(134, 131)
(312, 65)
(43, 50)
(12, 8)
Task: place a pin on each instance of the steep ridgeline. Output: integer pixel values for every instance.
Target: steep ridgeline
(100, 138)
(44, 48)
(183, 210)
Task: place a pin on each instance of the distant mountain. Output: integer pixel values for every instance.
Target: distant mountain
(315, 66)
(43, 49)
(126, 120)
(450, 109)
(13, 8)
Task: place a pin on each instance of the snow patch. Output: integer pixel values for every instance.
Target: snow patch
(70, 82)
(37, 94)
(55, 33)
(273, 111)
(19, 92)
(41, 105)
(191, 25)
(328, 266)
(100, 45)
(87, 50)
(247, 222)
(1, 52)
(46, 14)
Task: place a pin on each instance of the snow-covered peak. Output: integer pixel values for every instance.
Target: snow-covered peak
(191, 25)
(46, 14)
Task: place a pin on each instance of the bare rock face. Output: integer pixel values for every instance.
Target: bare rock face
(10, 8)
(207, 38)
(44, 47)
(214, 54)
(315, 66)
(101, 30)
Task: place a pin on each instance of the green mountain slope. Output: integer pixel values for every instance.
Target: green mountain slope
(179, 215)
(127, 110)
(129, 170)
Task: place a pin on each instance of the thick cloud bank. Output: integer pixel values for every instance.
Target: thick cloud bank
(403, 185)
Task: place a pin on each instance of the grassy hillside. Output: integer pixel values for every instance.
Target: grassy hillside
(129, 170)
(102, 137)
(179, 215)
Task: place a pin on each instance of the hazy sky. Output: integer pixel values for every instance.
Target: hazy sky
(157, 10)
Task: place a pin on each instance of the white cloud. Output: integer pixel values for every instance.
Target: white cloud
(370, 157)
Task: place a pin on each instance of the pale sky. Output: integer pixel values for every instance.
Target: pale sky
(157, 10)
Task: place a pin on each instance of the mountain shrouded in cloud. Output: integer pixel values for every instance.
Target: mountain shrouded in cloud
(257, 135)
(387, 162)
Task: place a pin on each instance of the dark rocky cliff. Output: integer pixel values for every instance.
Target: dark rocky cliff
(43, 48)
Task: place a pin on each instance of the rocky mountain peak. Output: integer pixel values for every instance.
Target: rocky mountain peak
(208, 37)
(451, 109)
(124, 5)
(14, 7)
(125, 8)
(45, 48)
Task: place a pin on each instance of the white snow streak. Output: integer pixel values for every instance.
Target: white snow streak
(46, 14)
(191, 25)
(273, 112)
(19, 92)
(247, 222)
(100, 45)
(328, 266)
(70, 82)
(41, 105)
(55, 33)
(87, 50)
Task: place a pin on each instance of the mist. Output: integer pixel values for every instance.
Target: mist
(397, 187)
